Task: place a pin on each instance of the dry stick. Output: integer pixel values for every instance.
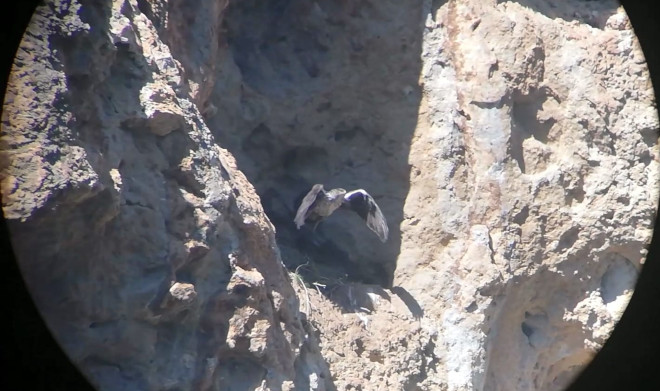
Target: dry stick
(304, 287)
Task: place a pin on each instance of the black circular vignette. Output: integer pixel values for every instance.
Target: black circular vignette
(30, 359)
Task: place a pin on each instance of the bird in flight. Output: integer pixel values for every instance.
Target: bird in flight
(319, 204)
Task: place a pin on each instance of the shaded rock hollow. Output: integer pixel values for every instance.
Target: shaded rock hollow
(511, 145)
(309, 99)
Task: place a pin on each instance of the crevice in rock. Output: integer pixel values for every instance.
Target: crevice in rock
(528, 320)
(620, 276)
(568, 238)
(313, 107)
(527, 121)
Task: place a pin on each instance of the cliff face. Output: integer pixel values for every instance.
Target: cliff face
(145, 248)
(531, 226)
(153, 153)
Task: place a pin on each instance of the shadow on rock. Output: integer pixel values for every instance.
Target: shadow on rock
(415, 309)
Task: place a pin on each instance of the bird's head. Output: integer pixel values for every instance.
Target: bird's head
(334, 193)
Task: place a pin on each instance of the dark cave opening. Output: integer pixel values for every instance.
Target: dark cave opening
(328, 93)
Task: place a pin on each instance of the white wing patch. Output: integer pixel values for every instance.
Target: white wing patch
(306, 204)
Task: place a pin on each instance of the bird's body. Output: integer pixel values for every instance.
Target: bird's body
(319, 204)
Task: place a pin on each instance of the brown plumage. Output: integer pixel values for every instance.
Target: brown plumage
(319, 204)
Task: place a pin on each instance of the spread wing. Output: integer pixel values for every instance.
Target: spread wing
(306, 204)
(365, 206)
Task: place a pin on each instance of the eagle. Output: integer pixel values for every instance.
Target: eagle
(319, 204)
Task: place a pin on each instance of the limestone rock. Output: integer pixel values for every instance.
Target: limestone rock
(547, 162)
(152, 153)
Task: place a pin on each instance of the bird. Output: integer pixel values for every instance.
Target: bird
(319, 204)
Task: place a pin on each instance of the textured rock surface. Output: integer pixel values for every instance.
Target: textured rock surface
(511, 145)
(544, 188)
(144, 246)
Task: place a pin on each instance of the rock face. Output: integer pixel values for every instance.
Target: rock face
(542, 136)
(153, 152)
(144, 246)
